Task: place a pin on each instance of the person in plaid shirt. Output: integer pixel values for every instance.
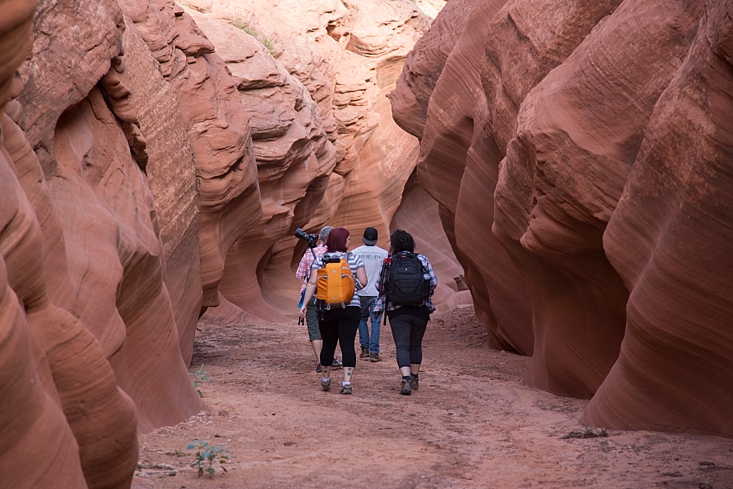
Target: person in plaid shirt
(311, 317)
(408, 323)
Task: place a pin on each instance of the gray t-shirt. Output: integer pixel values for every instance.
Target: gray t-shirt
(373, 257)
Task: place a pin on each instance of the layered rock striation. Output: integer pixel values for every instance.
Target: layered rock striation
(154, 162)
(579, 180)
(314, 78)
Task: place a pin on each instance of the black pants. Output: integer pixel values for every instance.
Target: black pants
(408, 331)
(339, 325)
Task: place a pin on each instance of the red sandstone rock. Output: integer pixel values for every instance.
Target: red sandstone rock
(218, 146)
(292, 152)
(669, 239)
(347, 63)
(82, 430)
(607, 186)
(100, 415)
(32, 425)
(171, 176)
(424, 64)
(571, 145)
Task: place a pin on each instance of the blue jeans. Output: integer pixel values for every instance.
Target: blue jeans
(367, 312)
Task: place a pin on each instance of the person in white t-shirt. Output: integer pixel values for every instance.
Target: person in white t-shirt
(373, 256)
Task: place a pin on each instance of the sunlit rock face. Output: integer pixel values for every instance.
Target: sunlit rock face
(597, 165)
(79, 117)
(111, 124)
(329, 154)
(431, 8)
(294, 160)
(213, 142)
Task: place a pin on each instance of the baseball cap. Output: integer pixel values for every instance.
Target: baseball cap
(370, 237)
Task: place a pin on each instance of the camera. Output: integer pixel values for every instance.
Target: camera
(331, 258)
(311, 239)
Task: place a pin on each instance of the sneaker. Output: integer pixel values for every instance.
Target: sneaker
(346, 389)
(364, 352)
(337, 363)
(374, 357)
(319, 369)
(413, 383)
(405, 390)
(326, 384)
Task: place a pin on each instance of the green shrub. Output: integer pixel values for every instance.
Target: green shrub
(198, 377)
(207, 455)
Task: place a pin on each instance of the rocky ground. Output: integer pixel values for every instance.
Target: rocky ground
(472, 423)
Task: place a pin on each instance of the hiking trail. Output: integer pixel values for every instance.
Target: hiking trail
(472, 423)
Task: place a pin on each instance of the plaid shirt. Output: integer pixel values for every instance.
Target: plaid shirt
(304, 267)
(379, 305)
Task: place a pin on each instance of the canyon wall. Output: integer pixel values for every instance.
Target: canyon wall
(154, 163)
(582, 182)
(314, 77)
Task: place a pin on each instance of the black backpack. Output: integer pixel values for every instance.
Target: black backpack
(406, 281)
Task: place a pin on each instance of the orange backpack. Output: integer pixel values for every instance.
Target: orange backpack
(335, 281)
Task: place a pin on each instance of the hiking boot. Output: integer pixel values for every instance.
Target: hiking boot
(374, 357)
(337, 363)
(326, 384)
(346, 389)
(413, 383)
(405, 390)
(364, 352)
(319, 369)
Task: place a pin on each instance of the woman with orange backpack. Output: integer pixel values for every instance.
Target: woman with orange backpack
(336, 276)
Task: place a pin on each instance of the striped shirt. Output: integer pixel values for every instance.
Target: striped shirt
(380, 306)
(306, 262)
(354, 262)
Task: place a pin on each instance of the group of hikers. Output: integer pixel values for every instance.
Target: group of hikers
(343, 291)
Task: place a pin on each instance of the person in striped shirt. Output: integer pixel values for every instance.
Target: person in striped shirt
(338, 324)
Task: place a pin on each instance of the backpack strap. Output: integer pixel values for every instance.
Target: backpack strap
(346, 256)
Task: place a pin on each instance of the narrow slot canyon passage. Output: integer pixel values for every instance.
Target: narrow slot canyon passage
(565, 167)
(472, 423)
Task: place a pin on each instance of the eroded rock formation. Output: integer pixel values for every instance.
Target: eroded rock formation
(148, 165)
(604, 162)
(675, 363)
(339, 130)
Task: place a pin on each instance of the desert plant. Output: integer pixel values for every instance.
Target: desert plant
(198, 377)
(207, 455)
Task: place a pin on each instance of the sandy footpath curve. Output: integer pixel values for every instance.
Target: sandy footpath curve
(472, 424)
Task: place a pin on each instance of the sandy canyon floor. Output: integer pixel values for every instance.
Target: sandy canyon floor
(472, 423)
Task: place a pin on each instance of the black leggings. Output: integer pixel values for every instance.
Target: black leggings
(407, 331)
(339, 325)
